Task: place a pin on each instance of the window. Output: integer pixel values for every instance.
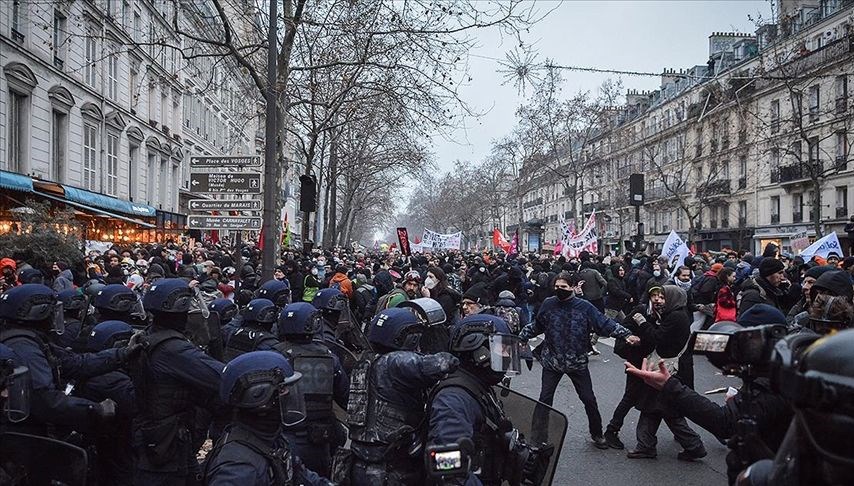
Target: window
(164, 107)
(17, 132)
(775, 209)
(112, 164)
(742, 214)
(151, 179)
(797, 207)
(137, 25)
(815, 101)
(59, 146)
(113, 73)
(125, 14)
(797, 100)
(775, 165)
(810, 202)
(813, 147)
(842, 201)
(775, 116)
(18, 12)
(725, 215)
(90, 140)
(152, 102)
(724, 174)
(841, 85)
(796, 151)
(133, 81)
(90, 70)
(133, 161)
(713, 217)
(152, 37)
(165, 177)
(59, 31)
(841, 150)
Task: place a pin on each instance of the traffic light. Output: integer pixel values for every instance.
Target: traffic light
(307, 194)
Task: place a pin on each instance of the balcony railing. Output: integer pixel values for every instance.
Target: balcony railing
(775, 175)
(714, 188)
(17, 36)
(841, 105)
(742, 222)
(713, 224)
(841, 162)
(536, 202)
(742, 182)
(724, 223)
(841, 212)
(797, 217)
(790, 173)
(775, 218)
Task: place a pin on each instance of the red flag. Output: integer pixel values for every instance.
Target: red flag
(514, 245)
(260, 244)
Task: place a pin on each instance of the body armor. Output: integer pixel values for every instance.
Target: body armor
(381, 431)
(166, 409)
(247, 339)
(53, 361)
(279, 459)
(315, 362)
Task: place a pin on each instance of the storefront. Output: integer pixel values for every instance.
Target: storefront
(783, 237)
(95, 216)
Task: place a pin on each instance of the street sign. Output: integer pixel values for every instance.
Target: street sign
(226, 182)
(196, 221)
(225, 162)
(225, 204)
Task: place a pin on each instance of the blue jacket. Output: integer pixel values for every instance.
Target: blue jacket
(454, 414)
(567, 326)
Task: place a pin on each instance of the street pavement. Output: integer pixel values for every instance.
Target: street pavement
(583, 464)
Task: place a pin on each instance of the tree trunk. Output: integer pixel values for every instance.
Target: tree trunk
(332, 202)
(816, 204)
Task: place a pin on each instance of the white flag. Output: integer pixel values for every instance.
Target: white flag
(823, 247)
(675, 250)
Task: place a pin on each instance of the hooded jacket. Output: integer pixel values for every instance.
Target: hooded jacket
(63, 281)
(757, 290)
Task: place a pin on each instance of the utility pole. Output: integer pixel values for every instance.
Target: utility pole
(270, 225)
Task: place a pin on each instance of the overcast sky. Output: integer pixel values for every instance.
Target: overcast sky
(638, 35)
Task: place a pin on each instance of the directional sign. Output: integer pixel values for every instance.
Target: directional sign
(225, 183)
(225, 204)
(218, 162)
(196, 221)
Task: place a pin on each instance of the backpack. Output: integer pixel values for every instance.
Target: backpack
(382, 303)
(511, 315)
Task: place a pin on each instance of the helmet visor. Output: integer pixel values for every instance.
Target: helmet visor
(57, 324)
(16, 396)
(504, 353)
(291, 403)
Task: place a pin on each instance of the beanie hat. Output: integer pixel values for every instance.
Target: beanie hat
(717, 267)
(760, 314)
(847, 262)
(770, 266)
(478, 293)
(817, 271)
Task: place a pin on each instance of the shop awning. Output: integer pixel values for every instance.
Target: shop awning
(97, 210)
(108, 203)
(15, 182)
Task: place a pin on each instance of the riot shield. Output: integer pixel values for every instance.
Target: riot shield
(41, 460)
(541, 425)
(347, 357)
(350, 333)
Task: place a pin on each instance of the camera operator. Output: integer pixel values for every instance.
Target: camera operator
(817, 448)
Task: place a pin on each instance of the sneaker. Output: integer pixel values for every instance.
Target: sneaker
(599, 442)
(613, 440)
(692, 455)
(641, 454)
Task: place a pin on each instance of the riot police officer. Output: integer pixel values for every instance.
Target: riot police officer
(817, 449)
(171, 378)
(73, 306)
(277, 291)
(464, 406)
(14, 387)
(115, 302)
(30, 312)
(385, 410)
(226, 310)
(323, 380)
(263, 389)
(331, 303)
(255, 333)
(114, 461)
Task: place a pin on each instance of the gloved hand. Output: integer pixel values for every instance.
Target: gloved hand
(133, 348)
(105, 410)
(639, 318)
(449, 363)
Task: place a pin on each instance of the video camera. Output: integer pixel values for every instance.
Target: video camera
(736, 350)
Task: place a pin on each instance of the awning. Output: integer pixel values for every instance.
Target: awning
(97, 210)
(15, 182)
(101, 201)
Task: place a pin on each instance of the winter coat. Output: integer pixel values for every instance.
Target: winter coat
(757, 290)
(594, 284)
(567, 326)
(63, 281)
(725, 305)
(618, 295)
(705, 289)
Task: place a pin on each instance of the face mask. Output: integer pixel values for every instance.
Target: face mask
(683, 285)
(564, 294)
(430, 283)
(657, 273)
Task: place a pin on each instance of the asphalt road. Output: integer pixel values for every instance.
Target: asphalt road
(583, 464)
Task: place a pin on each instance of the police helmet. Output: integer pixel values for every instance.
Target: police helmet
(277, 291)
(109, 334)
(330, 300)
(169, 295)
(31, 275)
(262, 311)
(116, 298)
(34, 304)
(92, 287)
(299, 319)
(15, 385)
(72, 300)
(226, 309)
(486, 341)
(396, 329)
(258, 381)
